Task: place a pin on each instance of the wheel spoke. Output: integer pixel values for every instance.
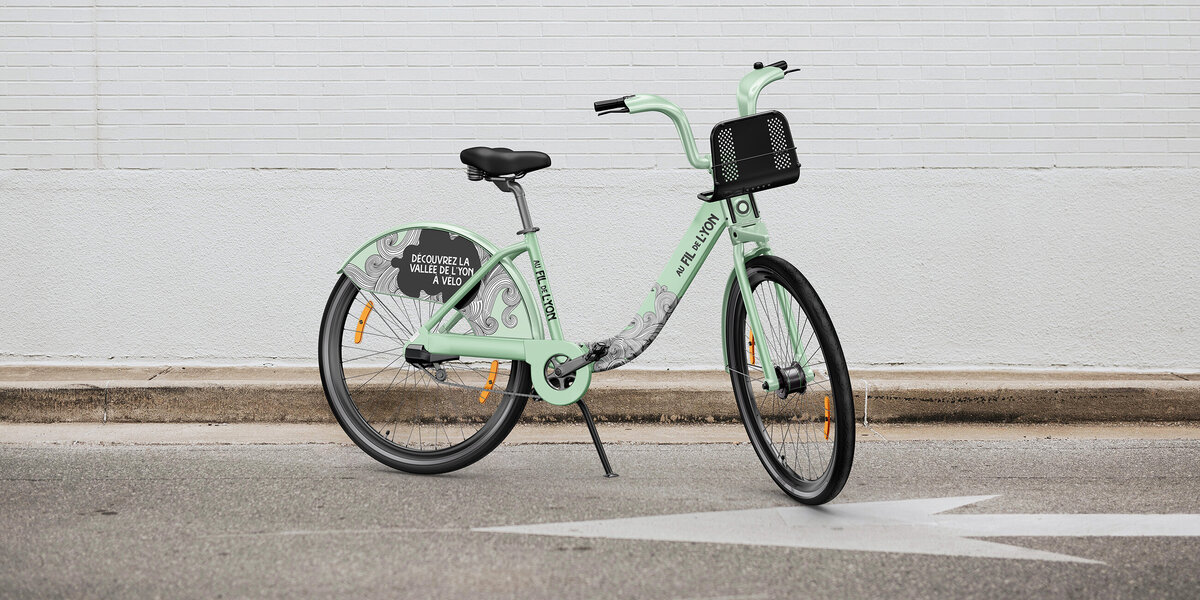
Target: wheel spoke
(792, 428)
(408, 408)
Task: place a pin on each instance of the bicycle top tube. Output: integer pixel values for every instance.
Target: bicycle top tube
(747, 97)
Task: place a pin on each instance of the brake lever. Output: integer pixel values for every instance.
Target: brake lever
(791, 70)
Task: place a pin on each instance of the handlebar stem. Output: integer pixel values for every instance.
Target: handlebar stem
(652, 103)
(752, 84)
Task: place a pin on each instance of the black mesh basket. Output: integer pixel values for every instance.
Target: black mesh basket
(751, 154)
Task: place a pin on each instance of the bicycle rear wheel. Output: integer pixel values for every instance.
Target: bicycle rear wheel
(412, 419)
(805, 440)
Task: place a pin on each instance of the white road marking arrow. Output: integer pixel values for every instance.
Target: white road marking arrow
(908, 526)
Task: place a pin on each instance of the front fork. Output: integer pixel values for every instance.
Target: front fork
(745, 226)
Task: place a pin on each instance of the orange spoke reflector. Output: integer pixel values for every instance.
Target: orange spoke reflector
(362, 322)
(826, 417)
(751, 347)
(487, 387)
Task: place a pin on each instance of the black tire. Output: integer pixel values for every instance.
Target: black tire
(494, 420)
(777, 436)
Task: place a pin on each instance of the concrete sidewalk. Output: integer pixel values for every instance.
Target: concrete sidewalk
(170, 434)
(294, 395)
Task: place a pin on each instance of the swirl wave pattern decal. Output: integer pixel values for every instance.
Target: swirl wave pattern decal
(379, 275)
(497, 284)
(639, 334)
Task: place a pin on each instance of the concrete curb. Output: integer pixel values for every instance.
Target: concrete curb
(294, 395)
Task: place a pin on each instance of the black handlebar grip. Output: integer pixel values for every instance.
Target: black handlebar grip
(781, 65)
(614, 105)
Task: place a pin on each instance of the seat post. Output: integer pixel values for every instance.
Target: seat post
(511, 185)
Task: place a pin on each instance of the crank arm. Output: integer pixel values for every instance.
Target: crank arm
(597, 351)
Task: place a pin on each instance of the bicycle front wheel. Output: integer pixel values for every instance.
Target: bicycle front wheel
(804, 439)
(417, 420)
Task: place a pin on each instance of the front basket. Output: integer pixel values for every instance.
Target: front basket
(751, 154)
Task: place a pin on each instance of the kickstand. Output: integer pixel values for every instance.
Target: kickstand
(587, 418)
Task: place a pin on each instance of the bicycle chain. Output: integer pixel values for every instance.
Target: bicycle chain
(434, 376)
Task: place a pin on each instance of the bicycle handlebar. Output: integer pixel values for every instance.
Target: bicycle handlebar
(748, 90)
(652, 103)
(781, 65)
(605, 107)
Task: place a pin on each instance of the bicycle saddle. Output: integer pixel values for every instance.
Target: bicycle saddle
(503, 161)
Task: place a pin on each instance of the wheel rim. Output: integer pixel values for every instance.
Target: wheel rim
(796, 428)
(401, 405)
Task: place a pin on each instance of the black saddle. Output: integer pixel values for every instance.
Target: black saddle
(503, 161)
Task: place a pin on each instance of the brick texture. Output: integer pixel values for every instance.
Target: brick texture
(329, 84)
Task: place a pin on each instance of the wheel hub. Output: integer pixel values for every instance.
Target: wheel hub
(791, 379)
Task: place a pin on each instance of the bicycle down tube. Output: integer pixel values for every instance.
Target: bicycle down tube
(676, 276)
(712, 219)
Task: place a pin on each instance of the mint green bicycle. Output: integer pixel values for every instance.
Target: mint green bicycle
(432, 341)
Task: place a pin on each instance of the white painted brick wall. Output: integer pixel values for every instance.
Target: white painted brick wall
(330, 84)
(130, 131)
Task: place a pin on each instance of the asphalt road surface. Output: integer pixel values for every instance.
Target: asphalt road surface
(324, 520)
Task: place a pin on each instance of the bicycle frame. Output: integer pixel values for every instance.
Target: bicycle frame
(738, 215)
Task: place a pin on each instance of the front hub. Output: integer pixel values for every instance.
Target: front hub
(791, 380)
